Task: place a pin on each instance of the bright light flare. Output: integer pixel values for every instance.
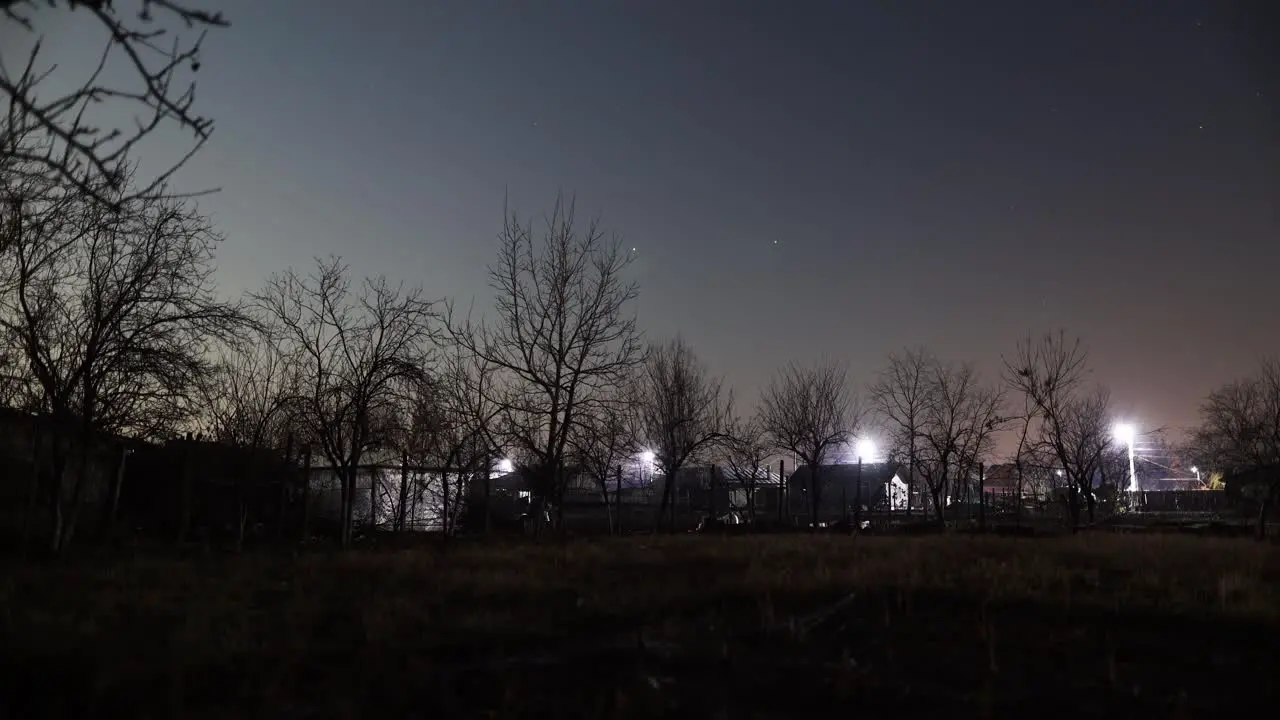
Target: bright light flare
(647, 457)
(505, 465)
(865, 449)
(1125, 433)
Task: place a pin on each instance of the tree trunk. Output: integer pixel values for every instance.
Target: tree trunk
(77, 487)
(349, 502)
(662, 503)
(617, 503)
(285, 483)
(560, 493)
(939, 504)
(344, 504)
(243, 488)
(444, 505)
(815, 501)
(711, 492)
(459, 492)
(241, 521)
(1073, 507)
(306, 495)
(488, 508)
(911, 473)
(113, 502)
(33, 489)
(55, 505)
(184, 494)
(608, 509)
(375, 480)
(782, 491)
(1017, 508)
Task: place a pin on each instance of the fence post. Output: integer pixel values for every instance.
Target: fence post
(617, 502)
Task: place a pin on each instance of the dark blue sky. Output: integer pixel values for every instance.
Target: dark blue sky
(952, 174)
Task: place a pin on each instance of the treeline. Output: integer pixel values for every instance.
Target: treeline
(112, 324)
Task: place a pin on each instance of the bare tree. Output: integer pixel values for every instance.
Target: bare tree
(957, 431)
(746, 451)
(54, 134)
(811, 412)
(901, 396)
(563, 338)
(353, 352)
(1025, 459)
(683, 413)
(248, 402)
(1072, 421)
(453, 430)
(1239, 434)
(604, 441)
(113, 314)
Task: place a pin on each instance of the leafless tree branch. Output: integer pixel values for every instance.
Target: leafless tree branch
(56, 137)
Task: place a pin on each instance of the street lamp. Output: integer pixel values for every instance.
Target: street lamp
(506, 466)
(1196, 470)
(647, 458)
(1125, 433)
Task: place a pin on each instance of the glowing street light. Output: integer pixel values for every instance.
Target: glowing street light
(647, 457)
(865, 449)
(505, 465)
(1196, 470)
(1125, 433)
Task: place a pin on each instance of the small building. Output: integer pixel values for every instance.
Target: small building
(718, 489)
(874, 486)
(389, 494)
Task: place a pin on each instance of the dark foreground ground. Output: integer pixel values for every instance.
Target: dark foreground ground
(781, 626)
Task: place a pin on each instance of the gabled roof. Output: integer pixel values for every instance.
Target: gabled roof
(700, 474)
(871, 474)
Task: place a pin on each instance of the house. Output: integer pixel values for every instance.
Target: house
(1003, 489)
(874, 486)
(717, 489)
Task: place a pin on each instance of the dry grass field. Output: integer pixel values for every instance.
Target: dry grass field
(774, 626)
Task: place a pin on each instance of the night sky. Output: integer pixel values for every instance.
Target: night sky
(801, 179)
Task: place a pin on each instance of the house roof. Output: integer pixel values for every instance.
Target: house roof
(699, 474)
(871, 474)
